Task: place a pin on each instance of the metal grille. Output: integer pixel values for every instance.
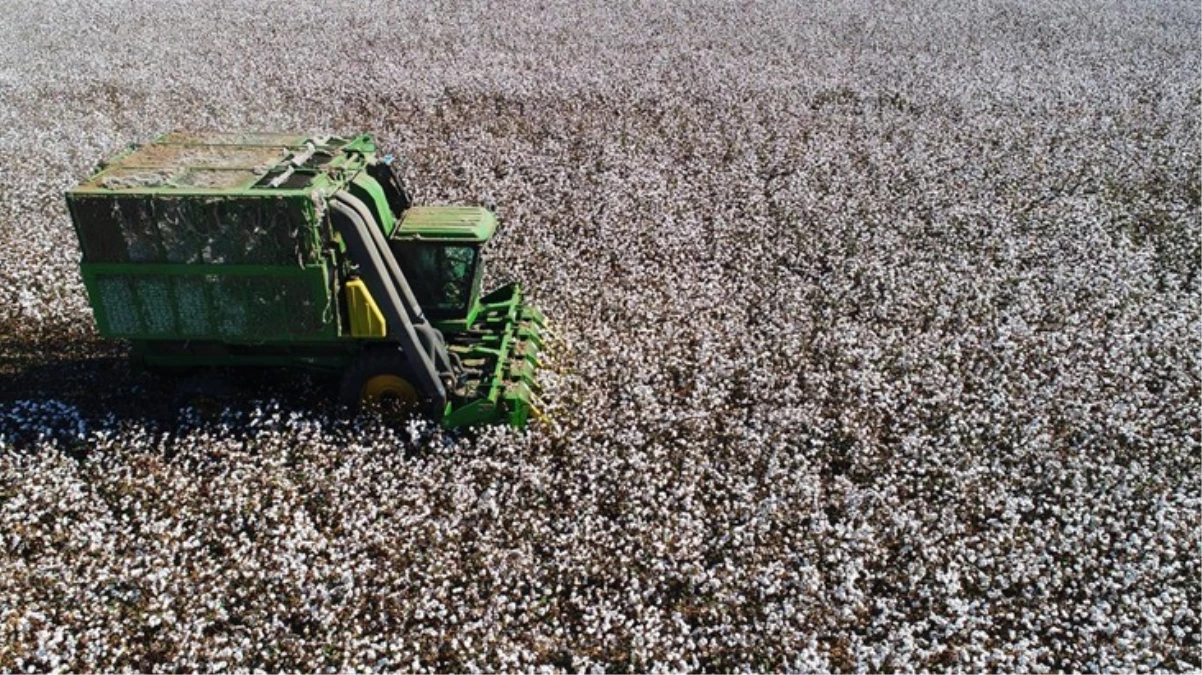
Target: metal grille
(212, 230)
(242, 307)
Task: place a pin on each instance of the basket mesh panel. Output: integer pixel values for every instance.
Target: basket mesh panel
(221, 231)
(155, 299)
(240, 308)
(117, 298)
(229, 305)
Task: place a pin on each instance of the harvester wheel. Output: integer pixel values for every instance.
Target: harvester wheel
(380, 380)
(207, 394)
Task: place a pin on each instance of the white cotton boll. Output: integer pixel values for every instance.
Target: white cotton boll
(879, 362)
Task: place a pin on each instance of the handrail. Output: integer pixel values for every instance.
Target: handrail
(357, 234)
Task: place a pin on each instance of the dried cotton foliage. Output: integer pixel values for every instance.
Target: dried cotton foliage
(881, 325)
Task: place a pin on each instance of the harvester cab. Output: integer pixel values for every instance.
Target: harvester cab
(226, 250)
(439, 249)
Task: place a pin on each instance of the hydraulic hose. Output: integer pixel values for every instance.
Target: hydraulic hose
(430, 337)
(356, 233)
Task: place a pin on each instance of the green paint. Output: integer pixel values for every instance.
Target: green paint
(208, 249)
(369, 191)
(235, 303)
(456, 223)
(245, 165)
(503, 341)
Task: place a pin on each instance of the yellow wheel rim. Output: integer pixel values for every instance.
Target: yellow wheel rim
(389, 389)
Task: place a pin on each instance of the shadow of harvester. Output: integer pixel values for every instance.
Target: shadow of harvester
(96, 379)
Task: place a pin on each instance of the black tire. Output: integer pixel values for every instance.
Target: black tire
(374, 365)
(174, 372)
(206, 393)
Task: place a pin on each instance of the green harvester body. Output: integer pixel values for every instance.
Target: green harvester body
(209, 250)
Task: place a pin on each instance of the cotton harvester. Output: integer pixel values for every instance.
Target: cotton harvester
(220, 251)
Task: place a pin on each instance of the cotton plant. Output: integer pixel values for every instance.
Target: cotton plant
(878, 346)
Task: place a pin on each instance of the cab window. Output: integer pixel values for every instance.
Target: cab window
(441, 275)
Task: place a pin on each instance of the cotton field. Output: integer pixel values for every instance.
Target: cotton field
(879, 339)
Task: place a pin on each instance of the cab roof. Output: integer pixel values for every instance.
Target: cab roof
(469, 224)
(228, 164)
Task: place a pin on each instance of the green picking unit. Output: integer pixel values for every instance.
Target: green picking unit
(209, 250)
